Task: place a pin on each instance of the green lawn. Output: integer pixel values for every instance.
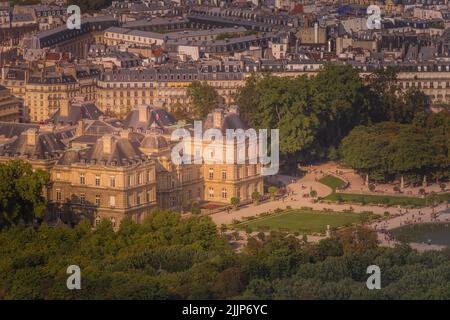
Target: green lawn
(445, 197)
(403, 201)
(375, 199)
(332, 182)
(303, 221)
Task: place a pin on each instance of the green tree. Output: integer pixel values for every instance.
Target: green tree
(358, 239)
(273, 190)
(21, 193)
(256, 197)
(180, 112)
(432, 200)
(204, 98)
(389, 151)
(235, 201)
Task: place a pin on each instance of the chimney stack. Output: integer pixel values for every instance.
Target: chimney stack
(125, 134)
(143, 113)
(218, 118)
(31, 136)
(107, 141)
(316, 32)
(234, 109)
(64, 108)
(80, 128)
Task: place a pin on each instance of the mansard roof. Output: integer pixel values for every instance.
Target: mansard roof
(110, 150)
(154, 141)
(76, 113)
(229, 120)
(146, 117)
(35, 145)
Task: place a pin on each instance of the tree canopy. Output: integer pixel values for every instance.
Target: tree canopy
(315, 114)
(21, 193)
(204, 98)
(389, 150)
(167, 257)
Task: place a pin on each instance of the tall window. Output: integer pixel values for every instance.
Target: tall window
(82, 198)
(211, 173)
(211, 192)
(82, 179)
(224, 193)
(58, 194)
(112, 201)
(128, 181)
(138, 198)
(112, 181)
(97, 200)
(139, 178)
(224, 174)
(97, 181)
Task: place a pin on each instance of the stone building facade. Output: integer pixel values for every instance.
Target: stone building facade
(103, 167)
(9, 106)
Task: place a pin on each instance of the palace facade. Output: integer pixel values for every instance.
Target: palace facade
(103, 167)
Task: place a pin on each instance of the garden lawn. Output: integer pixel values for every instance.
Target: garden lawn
(303, 221)
(376, 199)
(445, 197)
(332, 182)
(335, 183)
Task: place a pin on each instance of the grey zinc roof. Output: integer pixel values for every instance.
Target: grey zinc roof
(154, 141)
(123, 152)
(76, 113)
(10, 130)
(100, 127)
(155, 116)
(46, 145)
(230, 121)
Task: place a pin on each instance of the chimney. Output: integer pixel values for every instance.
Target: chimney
(80, 128)
(107, 141)
(64, 108)
(234, 109)
(143, 113)
(316, 32)
(31, 136)
(218, 118)
(158, 103)
(125, 134)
